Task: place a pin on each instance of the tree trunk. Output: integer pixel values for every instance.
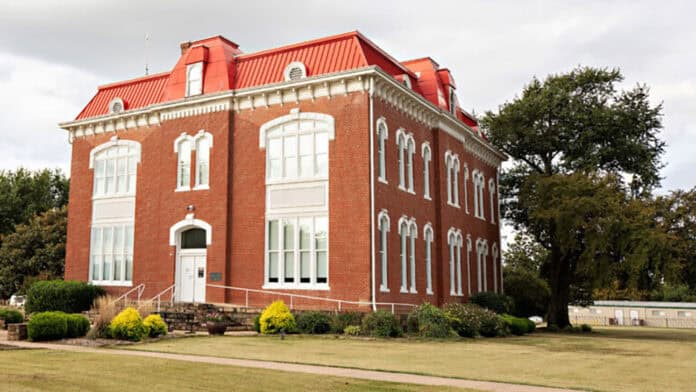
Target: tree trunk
(559, 282)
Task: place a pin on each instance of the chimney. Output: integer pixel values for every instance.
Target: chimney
(184, 46)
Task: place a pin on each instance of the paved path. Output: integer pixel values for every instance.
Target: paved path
(312, 369)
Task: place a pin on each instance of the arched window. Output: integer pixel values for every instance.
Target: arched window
(481, 253)
(428, 237)
(459, 263)
(404, 234)
(494, 259)
(383, 220)
(297, 150)
(452, 167)
(194, 79)
(466, 186)
(413, 234)
(382, 136)
(410, 150)
(491, 194)
(401, 145)
(204, 141)
(468, 263)
(454, 240)
(427, 157)
(111, 243)
(482, 188)
(193, 239)
(183, 149)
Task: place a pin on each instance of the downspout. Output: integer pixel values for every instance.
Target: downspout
(372, 197)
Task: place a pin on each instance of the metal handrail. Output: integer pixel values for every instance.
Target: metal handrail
(139, 288)
(339, 302)
(158, 298)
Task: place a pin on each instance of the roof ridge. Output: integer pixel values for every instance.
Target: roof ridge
(138, 79)
(296, 45)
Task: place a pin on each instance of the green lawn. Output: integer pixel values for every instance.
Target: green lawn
(609, 359)
(40, 370)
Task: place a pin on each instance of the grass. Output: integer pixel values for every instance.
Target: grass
(40, 370)
(609, 359)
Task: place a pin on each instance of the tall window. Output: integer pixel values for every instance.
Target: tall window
(454, 240)
(383, 230)
(408, 231)
(194, 79)
(427, 157)
(491, 195)
(203, 144)
(466, 186)
(297, 152)
(479, 201)
(406, 146)
(452, 101)
(481, 253)
(297, 251)
(382, 136)
(452, 167)
(428, 237)
(111, 242)
(494, 259)
(183, 181)
(468, 263)
(114, 171)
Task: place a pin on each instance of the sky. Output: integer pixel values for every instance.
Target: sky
(54, 54)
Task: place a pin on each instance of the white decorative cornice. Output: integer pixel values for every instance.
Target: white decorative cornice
(343, 83)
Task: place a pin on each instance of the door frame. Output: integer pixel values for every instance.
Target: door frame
(175, 231)
(201, 252)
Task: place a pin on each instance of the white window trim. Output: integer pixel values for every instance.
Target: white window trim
(455, 242)
(202, 134)
(382, 138)
(427, 155)
(401, 145)
(428, 238)
(289, 67)
(413, 228)
(189, 67)
(384, 242)
(466, 185)
(183, 138)
(468, 263)
(491, 194)
(494, 259)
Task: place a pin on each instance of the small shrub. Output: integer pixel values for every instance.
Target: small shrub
(586, 328)
(128, 325)
(11, 316)
(499, 303)
(465, 318)
(342, 320)
(491, 325)
(516, 326)
(155, 325)
(381, 324)
(352, 330)
(78, 325)
(429, 321)
(276, 318)
(59, 295)
(531, 325)
(257, 323)
(47, 326)
(313, 322)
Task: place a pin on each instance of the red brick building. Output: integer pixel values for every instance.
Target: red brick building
(325, 169)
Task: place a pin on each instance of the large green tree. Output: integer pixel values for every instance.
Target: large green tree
(676, 216)
(574, 137)
(25, 193)
(36, 250)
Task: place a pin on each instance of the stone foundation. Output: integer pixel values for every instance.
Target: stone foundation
(17, 331)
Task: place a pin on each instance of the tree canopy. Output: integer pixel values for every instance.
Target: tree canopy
(582, 151)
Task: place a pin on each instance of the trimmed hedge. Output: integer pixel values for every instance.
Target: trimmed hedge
(429, 321)
(47, 326)
(11, 316)
(346, 319)
(465, 318)
(313, 322)
(514, 325)
(499, 303)
(78, 325)
(381, 324)
(61, 295)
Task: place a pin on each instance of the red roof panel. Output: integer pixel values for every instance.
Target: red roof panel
(135, 93)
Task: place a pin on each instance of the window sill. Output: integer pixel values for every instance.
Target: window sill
(277, 181)
(186, 189)
(111, 283)
(402, 188)
(383, 181)
(413, 291)
(404, 290)
(427, 197)
(306, 286)
(383, 289)
(201, 187)
(429, 292)
(453, 205)
(113, 196)
(411, 191)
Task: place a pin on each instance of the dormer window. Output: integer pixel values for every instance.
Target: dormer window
(452, 101)
(295, 71)
(116, 106)
(194, 79)
(406, 81)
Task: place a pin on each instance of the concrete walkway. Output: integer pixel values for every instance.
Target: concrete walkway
(312, 369)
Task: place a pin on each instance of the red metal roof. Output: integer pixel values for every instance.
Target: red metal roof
(225, 68)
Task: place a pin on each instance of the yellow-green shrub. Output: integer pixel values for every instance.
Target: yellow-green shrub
(155, 325)
(128, 325)
(277, 317)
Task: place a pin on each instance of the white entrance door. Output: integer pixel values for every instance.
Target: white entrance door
(618, 314)
(192, 271)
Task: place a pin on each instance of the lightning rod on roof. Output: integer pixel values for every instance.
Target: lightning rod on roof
(147, 40)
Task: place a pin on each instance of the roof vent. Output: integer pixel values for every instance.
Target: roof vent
(295, 71)
(116, 106)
